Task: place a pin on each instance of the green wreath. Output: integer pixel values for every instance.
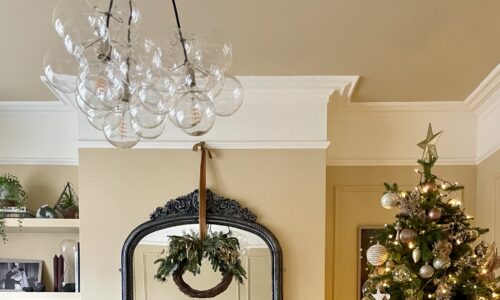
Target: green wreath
(186, 253)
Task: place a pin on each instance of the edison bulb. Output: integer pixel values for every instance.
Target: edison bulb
(191, 108)
(118, 130)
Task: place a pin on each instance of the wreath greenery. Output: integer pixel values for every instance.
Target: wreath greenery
(186, 253)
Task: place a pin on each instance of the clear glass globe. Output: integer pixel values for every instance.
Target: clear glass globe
(211, 49)
(102, 81)
(147, 133)
(153, 101)
(143, 117)
(80, 37)
(206, 122)
(89, 111)
(65, 11)
(119, 131)
(230, 99)
(192, 110)
(60, 69)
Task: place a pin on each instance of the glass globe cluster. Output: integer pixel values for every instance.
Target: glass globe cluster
(128, 84)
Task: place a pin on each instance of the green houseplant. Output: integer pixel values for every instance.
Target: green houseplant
(12, 195)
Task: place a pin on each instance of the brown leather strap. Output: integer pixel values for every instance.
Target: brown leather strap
(202, 194)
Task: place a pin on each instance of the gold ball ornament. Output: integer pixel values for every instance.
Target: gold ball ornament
(430, 186)
(408, 235)
(435, 213)
(377, 255)
(389, 200)
(390, 264)
(426, 271)
(401, 274)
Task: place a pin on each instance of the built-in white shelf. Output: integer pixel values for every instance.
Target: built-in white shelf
(34, 225)
(39, 296)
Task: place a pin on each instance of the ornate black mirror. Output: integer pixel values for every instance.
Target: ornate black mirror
(261, 254)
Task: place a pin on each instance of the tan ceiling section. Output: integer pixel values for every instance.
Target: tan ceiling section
(411, 50)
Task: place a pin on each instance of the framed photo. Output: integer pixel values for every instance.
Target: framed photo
(364, 234)
(18, 274)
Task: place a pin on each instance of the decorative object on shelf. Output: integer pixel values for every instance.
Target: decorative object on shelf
(67, 204)
(20, 274)
(12, 200)
(128, 84)
(377, 255)
(69, 252)
(46, 212)
(448, 266)
(185, 210)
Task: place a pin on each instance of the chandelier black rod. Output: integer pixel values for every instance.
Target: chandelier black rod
(180, 32)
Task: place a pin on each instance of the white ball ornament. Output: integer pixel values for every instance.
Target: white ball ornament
(377, 255)
(426, 271)
(389, 200)
(441, 262)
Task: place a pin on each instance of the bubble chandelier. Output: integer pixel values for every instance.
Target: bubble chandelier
(128, 84)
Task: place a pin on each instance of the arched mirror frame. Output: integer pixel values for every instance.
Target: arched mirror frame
(184, 211)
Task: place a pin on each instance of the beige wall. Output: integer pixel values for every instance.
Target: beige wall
(353, 199)
(488, 195)
(43, 185)
(285, 188)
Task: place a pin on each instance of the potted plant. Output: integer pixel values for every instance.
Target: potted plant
(68, 203)
(12, 198)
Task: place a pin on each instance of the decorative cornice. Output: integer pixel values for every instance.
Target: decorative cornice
(216, 144)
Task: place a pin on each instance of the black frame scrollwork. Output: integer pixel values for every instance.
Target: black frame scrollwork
(183, 211)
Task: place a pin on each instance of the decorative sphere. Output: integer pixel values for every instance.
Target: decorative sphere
(481, 249)
(434, 213)
(390, 264)
(389, 200)
(441, 262)
(401, 274)
(426, 271)
(408, 235)
(430, 186)
(368, 287)
(455, 202)
(46, 212)
(377, 255)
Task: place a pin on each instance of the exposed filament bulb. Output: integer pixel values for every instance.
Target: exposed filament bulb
(101, 85)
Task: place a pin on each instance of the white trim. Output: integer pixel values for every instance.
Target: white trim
(216, 144)
(39, 161)
(401, 162)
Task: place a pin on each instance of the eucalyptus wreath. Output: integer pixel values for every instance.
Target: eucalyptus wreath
(12, 194)
(186, 252)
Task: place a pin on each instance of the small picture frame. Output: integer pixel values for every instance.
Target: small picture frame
(18, 274)
(365, 232)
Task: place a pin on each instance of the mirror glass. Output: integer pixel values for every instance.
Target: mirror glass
(255, 257)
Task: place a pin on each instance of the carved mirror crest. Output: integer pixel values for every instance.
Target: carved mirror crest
(261, 251)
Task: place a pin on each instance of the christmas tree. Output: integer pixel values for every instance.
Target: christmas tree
(432, 250)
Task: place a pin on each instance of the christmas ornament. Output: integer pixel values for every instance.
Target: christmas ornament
(441, 262)
(429, 145)
(377, 255)
(430, 186)
(401, 274)
(443, 291)
(389, 200)
(454, 202)
(481, 249)
(398, 228)
(442, 247)
(390, 264)
(408, 235)
(410, 207)
(416, 255)
(426, 271)
(434, 213)
(380, 296)
(368, 287)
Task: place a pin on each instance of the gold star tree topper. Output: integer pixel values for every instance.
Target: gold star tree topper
(429, 145)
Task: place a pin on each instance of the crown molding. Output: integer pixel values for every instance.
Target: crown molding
(240, 145)
(375, 125)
